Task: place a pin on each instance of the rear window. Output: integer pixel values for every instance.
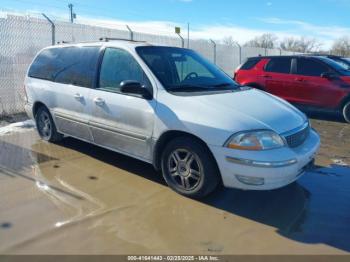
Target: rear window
(68, 65)
(279, 65)
(250, 63)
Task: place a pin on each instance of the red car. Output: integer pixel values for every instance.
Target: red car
(312, 81)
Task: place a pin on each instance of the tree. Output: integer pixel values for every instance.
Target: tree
(341, 46)
(290, 44)
(228, 40)
(302, 44)
(263, 41)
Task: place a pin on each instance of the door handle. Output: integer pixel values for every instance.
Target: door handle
(299, 79)
(266, 76)
(99, 101)
(78, 96)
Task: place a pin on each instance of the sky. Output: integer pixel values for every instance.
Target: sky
(324, 20)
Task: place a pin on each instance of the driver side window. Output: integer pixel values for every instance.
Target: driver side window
(188, 67)
(308, 67)
(118, 66)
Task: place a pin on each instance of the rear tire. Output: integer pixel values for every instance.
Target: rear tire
(189, 168)
(46, 126)
(346, 112)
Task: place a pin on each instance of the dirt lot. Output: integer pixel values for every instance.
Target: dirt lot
(76, 198)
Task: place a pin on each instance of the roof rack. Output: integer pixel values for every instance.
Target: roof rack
(106, 39)
(64, 42)
(326, 55)
(72, 42)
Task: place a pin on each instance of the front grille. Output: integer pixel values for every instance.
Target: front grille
(299, 137)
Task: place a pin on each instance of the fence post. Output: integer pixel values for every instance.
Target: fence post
(131, 33)
(182, 40)
(239, 52)
(214, 46)
(53, 28)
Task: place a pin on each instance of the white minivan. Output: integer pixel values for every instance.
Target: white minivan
(172, 108)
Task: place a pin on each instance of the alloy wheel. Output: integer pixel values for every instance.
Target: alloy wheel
(44, 125)
(185, 169)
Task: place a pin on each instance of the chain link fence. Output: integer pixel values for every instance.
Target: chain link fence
(21, 37)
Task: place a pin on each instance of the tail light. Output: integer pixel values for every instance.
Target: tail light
(236, 71)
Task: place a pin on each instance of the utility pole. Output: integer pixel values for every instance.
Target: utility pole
(72, 15)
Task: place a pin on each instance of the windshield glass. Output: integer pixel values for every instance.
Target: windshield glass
(335, 65)
(184, 70)
(343, 62)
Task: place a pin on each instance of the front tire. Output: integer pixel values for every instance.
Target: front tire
(46, 126)
(346, 112)
(189, 168)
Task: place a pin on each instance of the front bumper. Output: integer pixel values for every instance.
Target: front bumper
(264, 170)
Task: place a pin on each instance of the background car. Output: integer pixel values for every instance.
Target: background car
(312, 81)
(343, 61)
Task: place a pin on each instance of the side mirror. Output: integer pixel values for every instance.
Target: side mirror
(134, 87)
(329, 75)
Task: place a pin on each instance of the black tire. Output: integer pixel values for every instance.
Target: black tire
(346, 112)
(46, 126)
(196, 177)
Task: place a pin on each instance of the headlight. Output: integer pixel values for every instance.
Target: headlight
(255, 140)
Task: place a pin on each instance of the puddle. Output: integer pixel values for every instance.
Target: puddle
(17, 127)
(73, 198)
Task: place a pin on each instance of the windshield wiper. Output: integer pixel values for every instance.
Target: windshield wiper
(223, 85)
(188, 88)
(199, 88)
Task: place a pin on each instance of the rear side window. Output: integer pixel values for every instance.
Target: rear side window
(309, 67)
(279, 65)
(68, 65)
(250, 63)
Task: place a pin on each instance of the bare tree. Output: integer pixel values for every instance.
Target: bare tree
(290, 44)
(263, 41)
(228, 40)
(341, 46)
(302, 44)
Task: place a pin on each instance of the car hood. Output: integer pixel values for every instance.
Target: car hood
(233, 112)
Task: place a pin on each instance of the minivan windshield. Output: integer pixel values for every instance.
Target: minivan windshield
(183, 70)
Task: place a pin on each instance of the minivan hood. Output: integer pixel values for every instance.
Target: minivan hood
(237, 111)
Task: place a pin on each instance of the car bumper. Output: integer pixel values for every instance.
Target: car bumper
(29, 110)
(265, 170)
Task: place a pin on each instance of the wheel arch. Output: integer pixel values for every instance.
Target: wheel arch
(36, 107)
(165, 138)
(344, 101)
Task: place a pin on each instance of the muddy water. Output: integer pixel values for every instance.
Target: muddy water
(76, 198)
